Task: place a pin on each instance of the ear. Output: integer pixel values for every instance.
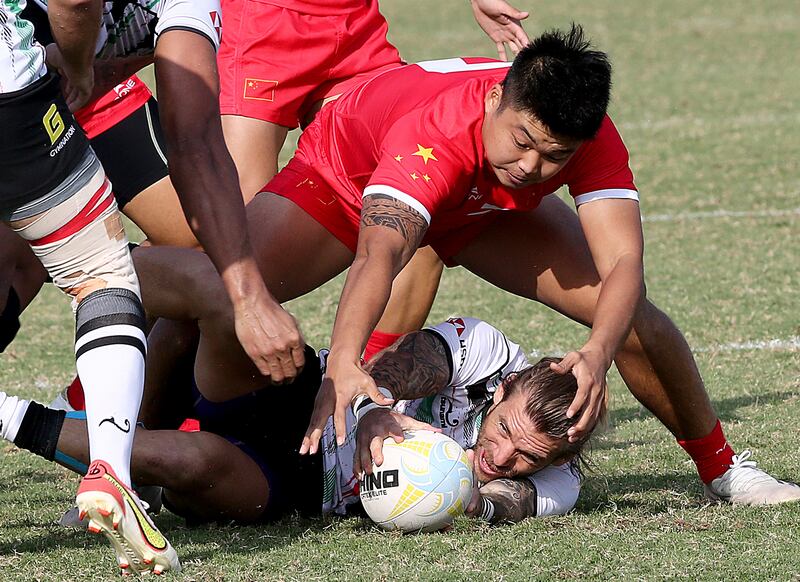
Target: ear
(493, 97)
(497, 397)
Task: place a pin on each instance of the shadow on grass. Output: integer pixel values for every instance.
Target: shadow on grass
(726, 408)
(651, 494)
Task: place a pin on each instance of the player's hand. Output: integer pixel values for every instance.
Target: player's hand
(343, 381)
(501, 22)
(589, 367)
(475, 505)
(270, 336)
(77, 85)
(375, 427)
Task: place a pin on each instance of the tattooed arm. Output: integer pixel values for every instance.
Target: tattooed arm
(414, 367)
(389, 235)
(507, 501)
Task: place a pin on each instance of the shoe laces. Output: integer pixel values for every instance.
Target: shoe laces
(742, 469)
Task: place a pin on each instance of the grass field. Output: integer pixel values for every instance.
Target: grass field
(706, 96)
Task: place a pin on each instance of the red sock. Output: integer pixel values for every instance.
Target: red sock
(712, 454)
(75, 395)
(378, 341)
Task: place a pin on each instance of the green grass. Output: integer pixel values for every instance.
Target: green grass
(706, 97)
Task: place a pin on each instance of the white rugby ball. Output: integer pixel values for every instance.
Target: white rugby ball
(423, 484)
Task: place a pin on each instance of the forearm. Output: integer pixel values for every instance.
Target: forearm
(75, 25)
(415, 367)
(201, 168)
(620, 293)
(364, 297)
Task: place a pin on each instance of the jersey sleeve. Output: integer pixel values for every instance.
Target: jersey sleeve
(201, 16)
(557, 489)
(601, 168)
(420, 166)
(476, 350)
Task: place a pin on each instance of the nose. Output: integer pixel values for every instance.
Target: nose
(503, 455)
(530, 162)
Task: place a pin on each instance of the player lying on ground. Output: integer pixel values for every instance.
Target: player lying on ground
(463, 377)
(56, 196)
(461, 154)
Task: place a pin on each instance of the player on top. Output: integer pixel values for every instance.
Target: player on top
(56, 196)
(461, 154)
(463, 376)
(281, 60)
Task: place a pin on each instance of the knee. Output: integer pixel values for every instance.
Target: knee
(651, 326)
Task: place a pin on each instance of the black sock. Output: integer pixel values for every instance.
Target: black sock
(39, 430)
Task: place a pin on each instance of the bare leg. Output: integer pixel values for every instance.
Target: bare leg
(547, 258)
(201, 472)
(254, 146)
(19, 268)
(296, 255)
(157, 211)
(413, 292)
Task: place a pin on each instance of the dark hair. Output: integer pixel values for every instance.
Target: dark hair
(549, 395)
(561, 82)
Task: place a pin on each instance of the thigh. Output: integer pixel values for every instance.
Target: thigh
(541, 255)
(254, 145)
(205, 476)
(295, 253)
(19, 268)
(158, 212)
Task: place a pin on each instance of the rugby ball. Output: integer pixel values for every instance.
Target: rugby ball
(423, 484)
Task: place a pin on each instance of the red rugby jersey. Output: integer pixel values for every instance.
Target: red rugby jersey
(414, 133)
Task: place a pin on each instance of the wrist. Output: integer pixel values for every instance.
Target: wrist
(362, 404)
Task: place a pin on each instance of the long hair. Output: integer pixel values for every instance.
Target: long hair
(548, 397)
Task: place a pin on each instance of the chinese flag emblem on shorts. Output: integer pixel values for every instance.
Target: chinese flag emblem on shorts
(259, 89)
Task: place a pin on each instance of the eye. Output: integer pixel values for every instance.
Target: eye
(502, 426)
(520, 145)
(531, 459)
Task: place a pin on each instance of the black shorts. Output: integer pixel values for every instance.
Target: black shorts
(268, 426)
(133, 153)
(41, 144)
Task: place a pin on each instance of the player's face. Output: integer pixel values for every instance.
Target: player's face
(519, 148)
(509, 445)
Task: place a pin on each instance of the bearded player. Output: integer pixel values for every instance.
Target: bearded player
(462, 377)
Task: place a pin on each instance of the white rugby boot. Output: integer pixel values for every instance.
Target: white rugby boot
(745, 484)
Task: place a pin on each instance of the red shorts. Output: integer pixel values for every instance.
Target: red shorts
(275, 63)
(301, 184)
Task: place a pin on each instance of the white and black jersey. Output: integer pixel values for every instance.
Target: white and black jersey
(480, 356)
(22, 59)
(131, 27)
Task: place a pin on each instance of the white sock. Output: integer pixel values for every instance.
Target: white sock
(12, 411)
(110, 345)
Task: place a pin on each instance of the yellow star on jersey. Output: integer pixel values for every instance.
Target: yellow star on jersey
(399, 158)
(427, 177)
(414, 176)
(425, 153)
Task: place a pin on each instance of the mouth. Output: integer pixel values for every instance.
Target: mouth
(487, 468)
(516, 180)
